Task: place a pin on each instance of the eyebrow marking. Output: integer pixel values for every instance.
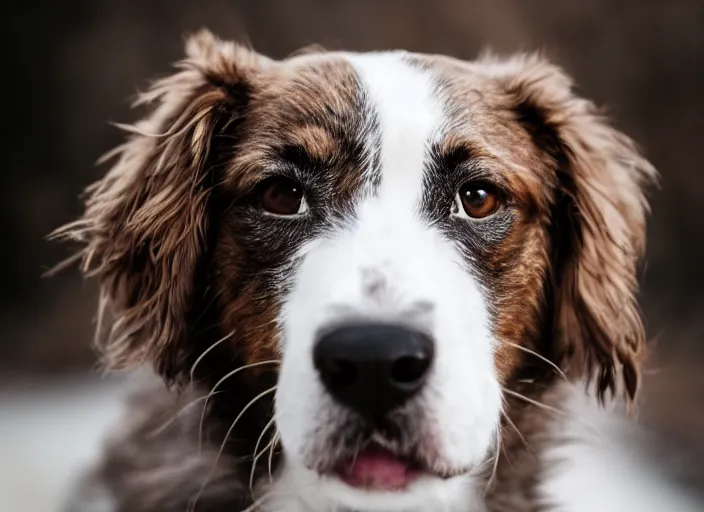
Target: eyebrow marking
(449, 158)
(310, 141)
(296, 155)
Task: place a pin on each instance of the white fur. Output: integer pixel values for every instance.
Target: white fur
(425, 283)
(602, 467)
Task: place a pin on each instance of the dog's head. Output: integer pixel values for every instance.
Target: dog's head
(399, 231)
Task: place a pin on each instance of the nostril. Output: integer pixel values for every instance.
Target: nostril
(409, 370)
(340, 374)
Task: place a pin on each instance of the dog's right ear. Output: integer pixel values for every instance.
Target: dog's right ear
(146, 222)
(597, 225)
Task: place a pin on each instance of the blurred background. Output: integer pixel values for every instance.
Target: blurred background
(73, 66)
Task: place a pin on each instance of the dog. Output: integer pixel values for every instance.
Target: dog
(364, 281)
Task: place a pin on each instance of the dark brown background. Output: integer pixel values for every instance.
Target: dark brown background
(70, 67)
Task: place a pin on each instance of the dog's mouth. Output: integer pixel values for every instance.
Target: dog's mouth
(377, 468)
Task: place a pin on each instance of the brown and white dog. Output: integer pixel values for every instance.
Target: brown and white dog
(367, 280)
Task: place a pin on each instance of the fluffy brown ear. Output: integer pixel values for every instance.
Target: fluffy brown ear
(597, 225)
(146, 223)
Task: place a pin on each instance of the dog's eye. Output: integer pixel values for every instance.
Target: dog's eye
(282, 196)
(478, 200)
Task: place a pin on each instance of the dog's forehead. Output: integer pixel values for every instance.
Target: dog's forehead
(391, 106)
(341, 86)
(340, 77)
(333, 88)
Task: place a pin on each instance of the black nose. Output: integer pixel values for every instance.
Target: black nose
(373, 368)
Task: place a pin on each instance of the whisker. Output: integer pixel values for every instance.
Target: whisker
(523, 439)
(262, 499)
(495, 468)
(478, 469)
(534, 402)
(542, 358)
(255, 455)
(217, 385)
(267, 448)
(559, 412)
(224, 442)
(271, 454)
(508, 459)
(206, 351)
(176, 416)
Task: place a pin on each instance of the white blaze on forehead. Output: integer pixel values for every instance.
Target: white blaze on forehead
(387, 264)
(409, 117)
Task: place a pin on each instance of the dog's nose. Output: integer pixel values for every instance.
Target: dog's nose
(373, 368)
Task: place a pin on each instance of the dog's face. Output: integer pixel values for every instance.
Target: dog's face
(397, 230)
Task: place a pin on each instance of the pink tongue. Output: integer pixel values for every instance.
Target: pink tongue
(377, 468)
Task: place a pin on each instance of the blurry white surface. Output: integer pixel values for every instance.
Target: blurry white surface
(48, 434)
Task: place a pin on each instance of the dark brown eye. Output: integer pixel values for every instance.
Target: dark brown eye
(282, 196)
(478, 200)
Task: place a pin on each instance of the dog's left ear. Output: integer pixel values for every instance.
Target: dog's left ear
(146, 225)
(597, 225)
